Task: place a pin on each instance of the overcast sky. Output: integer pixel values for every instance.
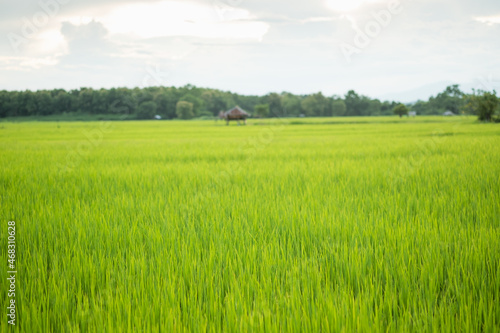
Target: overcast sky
(386, 49)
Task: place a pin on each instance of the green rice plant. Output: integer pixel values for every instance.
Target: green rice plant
(310, 225)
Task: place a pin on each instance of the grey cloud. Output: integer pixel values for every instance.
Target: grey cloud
(87, 44)
(89, 32)
(430, 41)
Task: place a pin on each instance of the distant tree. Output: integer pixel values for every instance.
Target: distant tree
(245, 102)
(386, 108)
(422, 108)
(316, 105)
(161, 105)
(213, 101)
(451, 99)
(9, 103)
(291, 104)
(206, 102)
(85, 100)
(99, 101)
(62, 102)
(27, 103)
(198, 104)
(338, 108)
(230, 99)
(125, 102)
(274, 101)
(356, 105)
(484, 104)
(4, 102)
(146, 110)
(169, 102)
(143, 95)
(374, 107)
(262, 110)
(400, 110)
(184, 110)
(43, 103)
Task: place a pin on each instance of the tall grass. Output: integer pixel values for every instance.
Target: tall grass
(362, 225)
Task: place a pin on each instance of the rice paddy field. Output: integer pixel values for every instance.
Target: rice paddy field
(283, 225)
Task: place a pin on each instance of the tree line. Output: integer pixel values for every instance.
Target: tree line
(189, 102)
(484, 104)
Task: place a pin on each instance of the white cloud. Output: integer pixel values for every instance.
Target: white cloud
(171, 18)
(50, 41)
(489, 19)
(318, 19)
(27, 63)
(44, 49)
(348, 5)
(110, 43)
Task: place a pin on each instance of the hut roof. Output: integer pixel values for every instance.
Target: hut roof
(236, 111)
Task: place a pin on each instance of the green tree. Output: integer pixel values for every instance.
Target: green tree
(99, 101)
(274, 101)
(451, 99)
(339, 108)
(214, 101)
(143, 95)
(262, 110)
(10, 103)
(44, 103)
(356, 105)
(374, 107)
(162, 105)
(245, 102)
(291, 104)
(29, 104)
(387, 107)
(484, 104)
(400, 110)
(4, 102)
(85, 100)
(121, 101)
(167, 100)
(62, 102)
(146, 110)
(421, 108)
(198, 104)
(184, 110)
(316, 105)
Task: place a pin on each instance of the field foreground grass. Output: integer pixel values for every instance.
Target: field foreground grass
(367, 224)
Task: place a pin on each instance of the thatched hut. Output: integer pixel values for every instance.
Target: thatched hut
(235, 113)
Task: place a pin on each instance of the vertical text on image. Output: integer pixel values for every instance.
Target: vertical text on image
(11, 272)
